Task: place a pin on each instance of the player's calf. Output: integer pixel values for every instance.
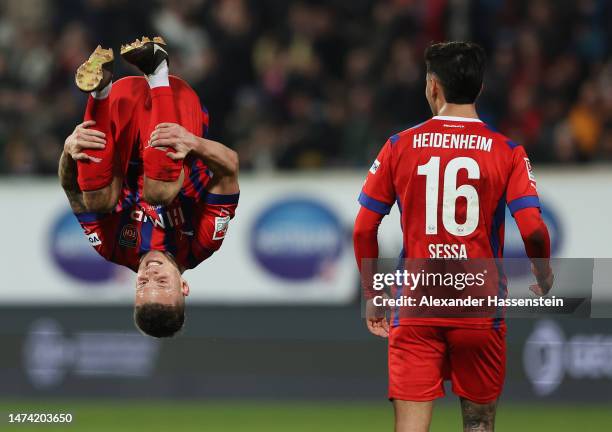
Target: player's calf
(412, 416)
(478, 417)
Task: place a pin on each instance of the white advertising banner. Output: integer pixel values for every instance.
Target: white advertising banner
(290, 242)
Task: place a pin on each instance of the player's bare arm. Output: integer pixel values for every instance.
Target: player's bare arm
(67, 173)
(221, 160)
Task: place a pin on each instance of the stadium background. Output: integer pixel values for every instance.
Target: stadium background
(306, 92)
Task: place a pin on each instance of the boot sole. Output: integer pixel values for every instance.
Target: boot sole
(139, 43)
(90, 74)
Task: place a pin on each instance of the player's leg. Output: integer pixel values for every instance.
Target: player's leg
(478, 417)
(412, 416)
(163, 177)
(220, 160)
(417, 356)
(97, 177)
(477, 367)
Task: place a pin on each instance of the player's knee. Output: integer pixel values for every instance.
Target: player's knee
(100, 201)
(158, 196)
(157, 192)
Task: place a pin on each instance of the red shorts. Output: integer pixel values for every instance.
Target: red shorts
(422, 357)
(128, 117)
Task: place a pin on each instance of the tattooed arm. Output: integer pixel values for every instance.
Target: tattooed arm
(67, 173)
(80, 139)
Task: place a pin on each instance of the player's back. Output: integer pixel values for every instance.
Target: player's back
(451, 176)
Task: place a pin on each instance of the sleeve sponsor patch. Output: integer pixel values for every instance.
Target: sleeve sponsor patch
(529, 170)
(375, 166)
(221, 225)
(94, 239)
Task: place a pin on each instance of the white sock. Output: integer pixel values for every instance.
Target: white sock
(159, 78)
(103, 93)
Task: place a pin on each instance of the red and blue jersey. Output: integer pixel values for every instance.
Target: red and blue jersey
(192, 228)
(451, 178)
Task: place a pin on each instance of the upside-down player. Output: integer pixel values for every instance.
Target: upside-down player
(452, 177)
(149, 191)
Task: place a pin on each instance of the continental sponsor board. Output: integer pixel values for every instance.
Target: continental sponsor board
(290, 242)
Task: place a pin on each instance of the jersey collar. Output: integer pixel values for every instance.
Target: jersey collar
(461, 119)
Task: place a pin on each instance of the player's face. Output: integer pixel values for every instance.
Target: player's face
(159, 280)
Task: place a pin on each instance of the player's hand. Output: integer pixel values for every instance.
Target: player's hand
(376, 319)
(545, 281)
(172, 135)
(83, 138)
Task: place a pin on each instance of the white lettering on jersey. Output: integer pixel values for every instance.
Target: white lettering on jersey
(375, 166)
(448, 251)
(174, 217)
(452, 141)
(94, 239)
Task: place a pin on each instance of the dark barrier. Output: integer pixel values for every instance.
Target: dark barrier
(261, 352)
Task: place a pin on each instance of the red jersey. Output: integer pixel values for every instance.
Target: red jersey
(192, 228)
(451, 178)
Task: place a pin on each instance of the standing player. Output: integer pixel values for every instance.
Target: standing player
(452, 177)
(150, 193)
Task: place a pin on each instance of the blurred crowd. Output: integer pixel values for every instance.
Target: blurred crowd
(307, 84)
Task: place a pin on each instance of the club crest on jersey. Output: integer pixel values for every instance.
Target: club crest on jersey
(129, 236)
(94, 239)
(221, 225)
(529, 170)
(375, 166)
